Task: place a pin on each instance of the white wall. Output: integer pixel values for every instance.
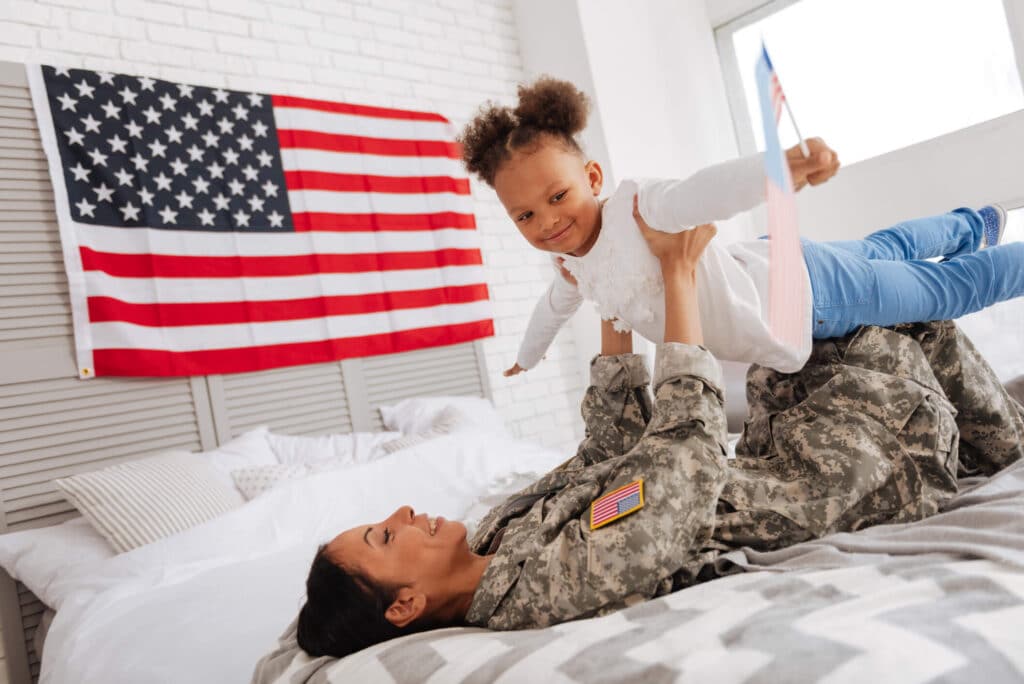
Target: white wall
(438, 55)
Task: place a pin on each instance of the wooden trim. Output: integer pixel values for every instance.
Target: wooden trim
(15, 652)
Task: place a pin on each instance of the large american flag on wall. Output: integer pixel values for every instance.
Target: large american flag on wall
(211, 231)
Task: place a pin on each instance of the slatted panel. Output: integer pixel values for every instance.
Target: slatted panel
(57, 427)
(451, 370)
(33, 290)
(301, 400)
(31, 613)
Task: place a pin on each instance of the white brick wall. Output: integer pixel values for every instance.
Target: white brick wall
(438, 55)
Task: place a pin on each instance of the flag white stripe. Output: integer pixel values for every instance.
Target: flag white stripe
(204, 243)
(296, 159)
(199, 290)
(332, 202)
(296, 118)
(116, 335)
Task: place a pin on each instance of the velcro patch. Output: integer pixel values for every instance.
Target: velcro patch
(617, 504)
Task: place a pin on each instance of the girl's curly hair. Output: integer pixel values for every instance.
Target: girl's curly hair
(547, 107)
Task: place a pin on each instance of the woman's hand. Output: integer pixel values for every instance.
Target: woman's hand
(675, 250)
(514, 370)
(821, 164)
(568, 277)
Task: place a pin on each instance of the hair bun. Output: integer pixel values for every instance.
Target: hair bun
(551, 104)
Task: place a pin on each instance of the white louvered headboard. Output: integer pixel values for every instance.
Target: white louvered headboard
(52, 424)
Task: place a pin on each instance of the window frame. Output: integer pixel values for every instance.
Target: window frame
(733, 15)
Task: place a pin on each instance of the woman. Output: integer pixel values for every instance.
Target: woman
(865, 434)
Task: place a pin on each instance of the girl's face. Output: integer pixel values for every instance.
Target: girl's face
(551, 195)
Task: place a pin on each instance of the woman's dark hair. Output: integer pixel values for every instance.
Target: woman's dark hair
(547, 107)
(344, 611)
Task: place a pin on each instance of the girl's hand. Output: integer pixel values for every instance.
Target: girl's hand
(675, 249)
(514, 370)
(564, 271)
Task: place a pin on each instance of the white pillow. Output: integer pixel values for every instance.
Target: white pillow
(248, 450)
(37, 557)
(252, 482)
(355, 447)
(135, 503)
(419, 414)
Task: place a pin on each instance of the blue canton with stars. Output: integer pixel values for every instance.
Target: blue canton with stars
(146, 152)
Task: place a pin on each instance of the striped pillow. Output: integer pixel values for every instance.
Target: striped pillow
(136, 503)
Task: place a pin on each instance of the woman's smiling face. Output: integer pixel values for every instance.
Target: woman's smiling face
(550, 193)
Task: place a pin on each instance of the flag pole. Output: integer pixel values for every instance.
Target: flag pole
(785, 100)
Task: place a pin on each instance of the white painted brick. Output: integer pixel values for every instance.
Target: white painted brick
(396, 36)
(78, 42)
(389, 85)
(420, 26)
(217, 22)
(182, 37)
(242, 8)
(332, 42)
(23, 12)
(237, 45)
(304, 54)
(150, 11)
(294, 17)
(378, 17)
(273, 68)
(381, 50)
(357, 63)
(277, 33)
(348, 26)
(340, 77)
(333, 7)
(105, 25)
(18, 34)
(223, 63)
(93, 5)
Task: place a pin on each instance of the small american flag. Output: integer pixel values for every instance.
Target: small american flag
(210, 231)
(617, 504)
(786, 286)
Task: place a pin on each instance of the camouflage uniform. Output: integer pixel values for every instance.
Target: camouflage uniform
(865, 434)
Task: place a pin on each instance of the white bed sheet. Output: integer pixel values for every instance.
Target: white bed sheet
(204, 605)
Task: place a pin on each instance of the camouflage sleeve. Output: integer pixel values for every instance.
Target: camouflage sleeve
(616, 408)
(681, 461)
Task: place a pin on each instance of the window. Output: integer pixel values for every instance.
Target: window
(871, 76)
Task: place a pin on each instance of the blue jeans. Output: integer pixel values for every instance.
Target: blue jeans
(884, 278)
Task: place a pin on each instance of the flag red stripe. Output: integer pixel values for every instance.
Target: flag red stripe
(357, 144)
(350, 182)
(107, 309)
(153, 362)
(310, 220)
(359, 110)
(168, 266)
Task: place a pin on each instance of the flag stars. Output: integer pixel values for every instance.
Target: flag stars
(67, 102)
(241, 218)
(276, 219)
(81, 173)
(157, 148)
(245, 142)
(220, 95)
(117, 144)
(111, 110)
(173, 135)
(163, 181)
(130, 212)
(221, 202)
(146, 197)
(91, 124)
(255, 100)
(185, 90)
(194, 153)
(152, 116)
(140, 162)
(264, 159)
(128, 95)
(134, 129)
(226, 125)
(206, 217)
(201, 185)
(240, 112)
(106, 77)
(184, 200)
(84, 89)
(98, 158)
(255, 203)
(167, 101)
(236, 186)
(269, 189)
(179, 167)
(205, 108)
(259, 129)
(124, 177)
(210, 138)
(146, 83)
(103, 193)
(189, 122)
(215, 170)
(62, 71)
(230, 156)
(250, 173)
(74, 137)
(86, 209)
(168, 215)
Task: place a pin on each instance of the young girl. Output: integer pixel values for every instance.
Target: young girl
(530, 157)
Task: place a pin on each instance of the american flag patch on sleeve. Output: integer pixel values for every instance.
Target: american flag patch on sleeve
(617, 504)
